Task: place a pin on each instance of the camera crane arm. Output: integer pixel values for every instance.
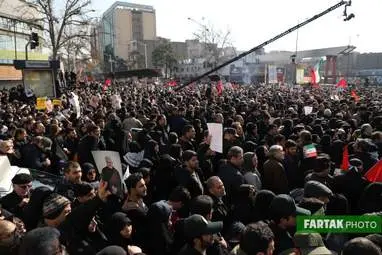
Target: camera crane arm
(290, 30)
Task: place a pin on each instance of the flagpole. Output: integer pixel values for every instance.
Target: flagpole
(262, 45)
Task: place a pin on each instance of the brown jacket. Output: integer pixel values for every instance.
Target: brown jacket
(275, 177)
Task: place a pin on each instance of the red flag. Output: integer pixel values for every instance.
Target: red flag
(107, 84)
(313, 76)
(342, 84)
(375, 173)
(345, 159)
(172, 84)
(355, 96)
(219, 88)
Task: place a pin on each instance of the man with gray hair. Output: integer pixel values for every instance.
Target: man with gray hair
(274, 173)
(229, 173)
(216, 190)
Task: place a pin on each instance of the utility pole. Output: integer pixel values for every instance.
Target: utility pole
(14, 35)
(275, 38)
(26, 50)
(111, 63)
(145, 54)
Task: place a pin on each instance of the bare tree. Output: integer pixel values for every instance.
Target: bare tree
(75, 14)
(75, 48)
(214, 41)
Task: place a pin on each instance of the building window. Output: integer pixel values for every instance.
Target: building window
(6, 42)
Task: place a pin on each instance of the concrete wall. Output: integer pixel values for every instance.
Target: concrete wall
(149, 26)
(17, 9)
(123, 32)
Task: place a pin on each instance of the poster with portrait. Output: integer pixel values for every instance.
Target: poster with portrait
(110, 168)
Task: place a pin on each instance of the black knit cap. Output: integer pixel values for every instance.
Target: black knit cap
(22, 179)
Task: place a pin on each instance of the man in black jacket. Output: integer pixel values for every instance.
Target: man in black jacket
(73, 224)
(91, 142)
(34, 155)
(216, 191)
(199, 233)
(188, 176)
(15, 201)
(230, 173)
(73, 174)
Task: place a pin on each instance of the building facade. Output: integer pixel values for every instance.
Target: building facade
(122, 24)
(14, 35)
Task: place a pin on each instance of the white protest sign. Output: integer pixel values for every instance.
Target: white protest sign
(216, 131)
(308, 110)
(76, 104)
(116, 101)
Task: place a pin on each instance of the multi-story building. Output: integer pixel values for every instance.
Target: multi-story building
(122, 24)
(14, 35)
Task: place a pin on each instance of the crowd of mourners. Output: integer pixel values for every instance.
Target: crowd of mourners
(180, 197)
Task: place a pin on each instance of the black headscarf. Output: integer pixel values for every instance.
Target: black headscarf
(263, 199)
(118, 221)
(33, 210)
(161, 238)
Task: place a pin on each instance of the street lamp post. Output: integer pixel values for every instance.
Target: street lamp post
(205, 31)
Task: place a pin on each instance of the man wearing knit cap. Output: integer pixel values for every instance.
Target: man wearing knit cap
(311, 244)
(317, 190)
(55, 209)
(19, 197)
(321, 171)
(57, 213)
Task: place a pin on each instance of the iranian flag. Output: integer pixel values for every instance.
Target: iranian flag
(316, 78)
(310, 151)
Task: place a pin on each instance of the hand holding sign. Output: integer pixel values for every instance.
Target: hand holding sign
(216, 132)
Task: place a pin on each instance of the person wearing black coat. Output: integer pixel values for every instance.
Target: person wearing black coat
(163, 181)
(15, 201)
(74, 227)
(263, 199)
(216, 190)
(34, 155)
(160, 236)
(90, 142)
(33, 210)
(244, 205)
(119, 230)
(188, 175)
(230, 174)
(351, 183)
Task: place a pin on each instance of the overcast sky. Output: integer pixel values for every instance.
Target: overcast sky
(253, 21)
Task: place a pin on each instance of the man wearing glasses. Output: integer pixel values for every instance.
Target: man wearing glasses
(15, 201)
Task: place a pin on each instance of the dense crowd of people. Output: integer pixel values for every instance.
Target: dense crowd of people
(180, 197)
